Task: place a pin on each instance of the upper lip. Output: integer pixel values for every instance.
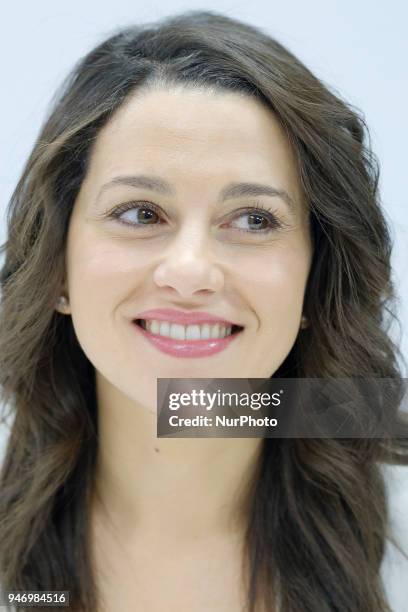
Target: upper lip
(183, 317)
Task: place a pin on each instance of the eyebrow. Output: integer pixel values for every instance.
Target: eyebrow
(232, 190)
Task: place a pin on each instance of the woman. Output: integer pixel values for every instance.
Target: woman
(192, 165)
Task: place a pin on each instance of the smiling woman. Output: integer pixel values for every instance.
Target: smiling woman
(204, 208)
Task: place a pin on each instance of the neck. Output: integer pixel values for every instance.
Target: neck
(180, 488)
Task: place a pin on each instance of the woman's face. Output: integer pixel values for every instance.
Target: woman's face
(197, 251)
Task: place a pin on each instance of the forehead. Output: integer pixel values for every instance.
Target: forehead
(194, 134)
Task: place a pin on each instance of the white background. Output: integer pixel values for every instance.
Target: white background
(358, 48)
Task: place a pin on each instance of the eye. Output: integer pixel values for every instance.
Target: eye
(261, 220)
(144, 213)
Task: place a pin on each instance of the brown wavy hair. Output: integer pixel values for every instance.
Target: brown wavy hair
(318, 517)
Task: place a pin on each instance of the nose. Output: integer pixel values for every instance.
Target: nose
(188, 267)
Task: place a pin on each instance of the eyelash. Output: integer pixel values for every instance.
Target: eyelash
(268, 213)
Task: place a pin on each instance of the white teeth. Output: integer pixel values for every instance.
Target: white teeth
(215, 331)
(193, 332)
(154, 327)
(164, 328)
(205, 331)
(187, 332)
(177, 331)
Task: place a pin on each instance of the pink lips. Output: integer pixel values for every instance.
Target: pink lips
(186, 348)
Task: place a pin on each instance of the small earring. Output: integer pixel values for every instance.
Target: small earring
(304, 322)
(62, 301)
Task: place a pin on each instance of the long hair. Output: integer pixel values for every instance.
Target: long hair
(318, 517)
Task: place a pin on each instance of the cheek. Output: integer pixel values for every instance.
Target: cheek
(101, 270)
(278, 283)
(101, 277)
